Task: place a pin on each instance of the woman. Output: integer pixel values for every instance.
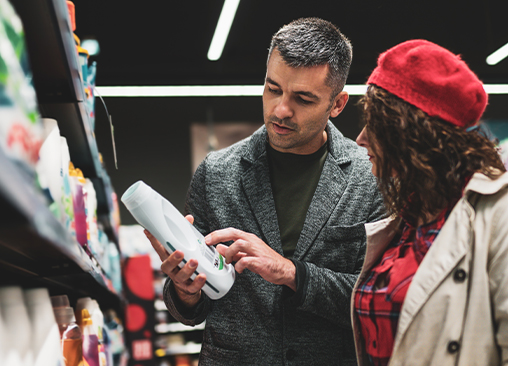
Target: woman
(434, 286)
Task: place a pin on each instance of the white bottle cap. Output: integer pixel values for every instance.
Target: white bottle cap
(136, 195)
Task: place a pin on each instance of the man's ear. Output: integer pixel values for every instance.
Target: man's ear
(339, 103)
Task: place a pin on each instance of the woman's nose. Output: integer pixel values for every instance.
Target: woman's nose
(362, 139)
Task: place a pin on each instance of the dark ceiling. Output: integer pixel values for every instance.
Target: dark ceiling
(166, 42)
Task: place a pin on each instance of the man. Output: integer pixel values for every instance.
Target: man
(291, 200)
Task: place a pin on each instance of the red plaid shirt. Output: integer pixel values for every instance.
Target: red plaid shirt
(380, 296)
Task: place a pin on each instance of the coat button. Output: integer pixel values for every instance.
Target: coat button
(459, 275)
(453, 346)
(290, 354)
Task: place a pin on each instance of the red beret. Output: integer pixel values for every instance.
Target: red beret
(433, 79)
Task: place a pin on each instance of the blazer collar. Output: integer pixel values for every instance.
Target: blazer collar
(257, 187)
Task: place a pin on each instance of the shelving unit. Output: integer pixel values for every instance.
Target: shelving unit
(60, 92)
(173, 338)
(35, 248)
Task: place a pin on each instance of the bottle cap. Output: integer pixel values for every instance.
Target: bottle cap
(64, 315)
(61, 301)
(85, 316)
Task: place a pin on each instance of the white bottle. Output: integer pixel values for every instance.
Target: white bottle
(45, 337)
(174, 232)
(16, 327)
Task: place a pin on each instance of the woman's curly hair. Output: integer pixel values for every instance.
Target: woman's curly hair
(423, 162)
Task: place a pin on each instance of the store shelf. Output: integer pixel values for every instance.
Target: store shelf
(36, 250)
(59, 88)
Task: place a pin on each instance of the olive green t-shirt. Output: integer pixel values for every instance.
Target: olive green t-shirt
(294, 179)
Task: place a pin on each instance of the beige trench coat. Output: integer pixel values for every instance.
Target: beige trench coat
(456, 308)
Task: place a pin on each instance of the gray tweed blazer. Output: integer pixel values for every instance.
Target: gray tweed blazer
(259, 323)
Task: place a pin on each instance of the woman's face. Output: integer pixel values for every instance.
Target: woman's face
(363, 140)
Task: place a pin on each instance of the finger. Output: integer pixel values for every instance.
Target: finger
(221, 248)
(238, 250)
(223, 235)
(186, 272)
(157, 246)
(197, 284)
(171, 265)
(241, 265)
(190, 218)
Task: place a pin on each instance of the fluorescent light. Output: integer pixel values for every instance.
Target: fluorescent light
(223, 26)
(228, 90)
(355, 89)
(181, 91)
(498, 55)
(496, 88)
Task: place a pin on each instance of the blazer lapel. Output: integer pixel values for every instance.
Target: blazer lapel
(329, 190)
(257, 188)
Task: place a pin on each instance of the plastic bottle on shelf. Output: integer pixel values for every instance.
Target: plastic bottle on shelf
(49, 166)
(83, 311)
(79, 203)
(16, 327)
(115, 331)
(98, 322)
(67, 203)
(45, 337)
(70, 333)
(91, 220)
(90, 340)
(174, 232)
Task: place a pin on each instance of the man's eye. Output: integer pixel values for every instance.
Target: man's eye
(273, 91)
(305, 101)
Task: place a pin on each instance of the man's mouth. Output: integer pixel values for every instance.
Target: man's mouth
(281, 129)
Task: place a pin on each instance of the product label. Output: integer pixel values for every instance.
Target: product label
(73, 352)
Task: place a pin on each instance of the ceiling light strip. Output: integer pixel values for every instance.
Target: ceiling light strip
(227, 90)
(498, 55)
(222, 31)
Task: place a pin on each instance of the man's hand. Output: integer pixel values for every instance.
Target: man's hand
(189, 291)
(249, 251)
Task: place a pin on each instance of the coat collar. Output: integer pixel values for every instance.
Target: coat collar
(450, 246)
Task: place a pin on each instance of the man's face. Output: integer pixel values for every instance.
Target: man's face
(296, 106)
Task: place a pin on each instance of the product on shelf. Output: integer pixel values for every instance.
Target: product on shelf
(77, 181)
(45, 339)
(115, 333)
(66, 188)
(21, 130)
(70, 332)
(174, 232)
(84, 308)
(49, 167)
(16, 327)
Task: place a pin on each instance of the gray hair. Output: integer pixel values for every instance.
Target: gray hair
(310, 42)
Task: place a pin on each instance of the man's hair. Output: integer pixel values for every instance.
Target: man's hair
(310, 42)
(422, 162)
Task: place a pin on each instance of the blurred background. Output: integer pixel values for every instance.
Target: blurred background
(157, 43)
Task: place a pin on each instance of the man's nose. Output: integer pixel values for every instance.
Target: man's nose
(283, 108)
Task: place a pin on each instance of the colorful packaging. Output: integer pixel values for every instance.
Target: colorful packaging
(70, 333)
